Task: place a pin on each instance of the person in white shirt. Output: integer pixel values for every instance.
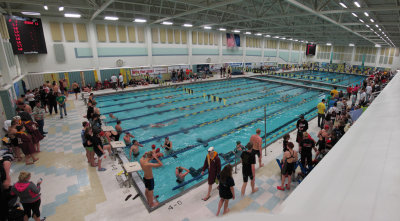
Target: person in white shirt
(30, 97)
(340, 106)
(334, 112)
(368, 90)
(121, 81)
(114, 82)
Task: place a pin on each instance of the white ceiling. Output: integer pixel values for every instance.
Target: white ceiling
(320, 21)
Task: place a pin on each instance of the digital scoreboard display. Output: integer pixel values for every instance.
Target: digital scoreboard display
(26, 35)
(310, 50)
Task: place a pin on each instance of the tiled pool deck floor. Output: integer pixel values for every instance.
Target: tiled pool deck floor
(72, 190)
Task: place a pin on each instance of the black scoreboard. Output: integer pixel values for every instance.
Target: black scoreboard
(26, 35)
(310, 50)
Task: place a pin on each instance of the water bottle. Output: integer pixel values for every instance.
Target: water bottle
(39, 181)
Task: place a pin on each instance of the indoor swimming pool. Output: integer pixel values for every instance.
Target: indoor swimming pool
(201, 115)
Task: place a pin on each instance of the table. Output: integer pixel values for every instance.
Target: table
(117, 144)
(107, 128)
(132, 167)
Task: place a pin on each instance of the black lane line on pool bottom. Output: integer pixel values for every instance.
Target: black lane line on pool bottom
(170, 102)
(226, 162)
(215, 87)
(175, 89)
(175, 153)
(205, 111)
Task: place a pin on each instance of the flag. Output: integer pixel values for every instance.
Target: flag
(230, 40)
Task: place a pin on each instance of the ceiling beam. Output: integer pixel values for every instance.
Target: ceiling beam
(101, 9)
(305, 8)
(199, 9)
(376, 9)
(370, 23)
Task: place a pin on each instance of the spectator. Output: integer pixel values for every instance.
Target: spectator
(29, 195)
(213, 164)
(38, 115)
(30, 97)
(288, 166)
(106, 83)
(226, 189)
(32, 128)
(121, 81)
(52, 101)
(75, 87)
(114, 82)
(26, 144)
(286, 138)
(61, 99)
(321, 113)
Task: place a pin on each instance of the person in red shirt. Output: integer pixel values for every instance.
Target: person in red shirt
(106, 84)
(349, 90)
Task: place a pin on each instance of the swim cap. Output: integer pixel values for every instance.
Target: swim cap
(326, 126)
(153, 146)
(158, 150)
(238, 142)
(210, 149)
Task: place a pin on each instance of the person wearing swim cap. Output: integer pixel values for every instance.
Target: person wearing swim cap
(213, 164)
(167, 144)
(154, 150)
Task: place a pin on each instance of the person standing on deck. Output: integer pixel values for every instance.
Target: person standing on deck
(321, 113)
(256, 140)
(148, 178)
(213, 164)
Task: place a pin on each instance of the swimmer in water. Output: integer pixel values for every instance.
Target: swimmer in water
(127, 138)
(167, 144)
(169, 97)
(186, 108)
(158, 125)
(160, 105)
(238, 89)
(180, 176)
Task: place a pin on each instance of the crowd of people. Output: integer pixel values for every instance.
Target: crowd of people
(25, 131)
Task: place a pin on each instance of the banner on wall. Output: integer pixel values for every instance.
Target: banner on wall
(178, 67)
(16, 88)
(235, 65)
(201, 68)
(215, 67)
(232, 40)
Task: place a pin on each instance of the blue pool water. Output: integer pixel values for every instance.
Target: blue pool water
(189, 117)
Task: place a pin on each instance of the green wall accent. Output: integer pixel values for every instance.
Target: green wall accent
(121, 52)
(7, 105)
(294, 57)
(232, 52)
(270, 53)
(284, 55)
(254, 53)
(83, 53)
(169, 51)
(205, 51)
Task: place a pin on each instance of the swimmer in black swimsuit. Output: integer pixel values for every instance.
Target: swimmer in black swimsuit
(127, 139)
(134, 149)
(167, 144)
(180, 177)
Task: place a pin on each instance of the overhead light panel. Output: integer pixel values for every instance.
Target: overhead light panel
(354, 14)
(276, 37)
(45, 7)
(140, 20)
(187, 25)
(351, 45)
(357, 4)
(236, 31)
(222, 29)
(31, 13)
(377, 46)
(380, 29)
(258, 34)
(366, 14)
(248, 33)
(167, 23)
(61, 8)
(329, 44)
(343, 5)
(296, 40)
(111, 18)
(376, 25)
(207, 27)
(283, 38)
(372, 20)
(267, 36)
(72, 15)
(361, 20)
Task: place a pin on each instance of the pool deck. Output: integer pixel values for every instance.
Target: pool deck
(72, 190)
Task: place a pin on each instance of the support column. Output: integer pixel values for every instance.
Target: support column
(5, 69)
(189, 45)
(149, 45)
(219, 47)
(93, 45)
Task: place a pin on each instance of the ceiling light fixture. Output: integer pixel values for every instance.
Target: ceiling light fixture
(367, 26)
(207, 27)
(354, 14)
(268, 36)
(351, 45)
(376, 25)
(140, 20)
(366, 14)
(283, 38)
(167, 23)
(357, 4)
(111, 18)
(276, 37)
(296, 40)
(380, 29)
(258, 34)
(372, 20)
(361, 21)
(45, 7)
(222, 29)
(187, 25)
(329, 44)
(377, 46)
(248, 33)
(236, 31)
(71, 15)
(61, 8)
(31, 13)
(343, 5)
